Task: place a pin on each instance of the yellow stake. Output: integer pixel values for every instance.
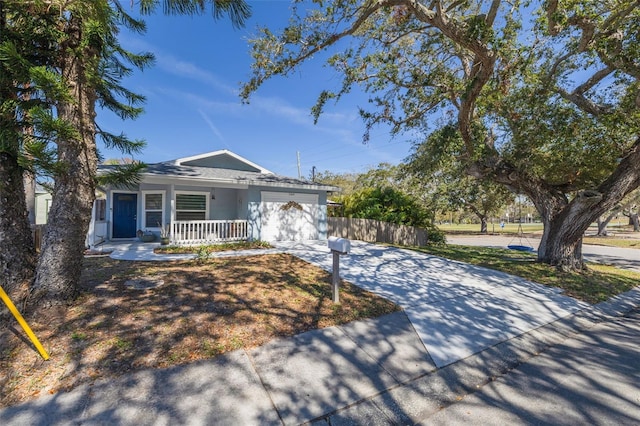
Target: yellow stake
(23, 323)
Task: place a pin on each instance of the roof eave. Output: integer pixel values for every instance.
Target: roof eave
(254, 182)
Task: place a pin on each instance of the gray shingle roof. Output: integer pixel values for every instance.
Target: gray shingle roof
(170, 169)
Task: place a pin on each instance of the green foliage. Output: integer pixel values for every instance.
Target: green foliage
(521, 115)
(238, 11)
(203, 253)
(539, 97)
(437, 159)
(122, 175)
(385, 204)
(32, 87)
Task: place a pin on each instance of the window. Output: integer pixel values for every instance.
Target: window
(191, 206)
(101, 210)
(153, 203)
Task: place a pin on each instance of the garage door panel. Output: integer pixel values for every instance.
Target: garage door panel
(289, 216)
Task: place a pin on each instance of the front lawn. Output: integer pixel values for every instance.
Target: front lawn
(612, 242)
(200, 309)
(596, 285)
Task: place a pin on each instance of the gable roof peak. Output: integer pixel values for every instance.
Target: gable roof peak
(198, 159)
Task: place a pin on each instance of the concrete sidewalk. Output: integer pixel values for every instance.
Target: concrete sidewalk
(591, 379)
(144, 252)
(461, 327)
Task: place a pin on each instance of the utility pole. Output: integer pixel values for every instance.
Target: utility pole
(298, 155)
(313, 174)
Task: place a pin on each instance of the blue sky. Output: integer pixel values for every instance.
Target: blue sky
(193, 105)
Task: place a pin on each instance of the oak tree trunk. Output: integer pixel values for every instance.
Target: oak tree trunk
(602, 224)
(60, 264)
(565, 221)
(602, 227)
(483, 225)
(557, 250)
(564, 228)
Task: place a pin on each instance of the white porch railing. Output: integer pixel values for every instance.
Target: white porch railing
(188, 232)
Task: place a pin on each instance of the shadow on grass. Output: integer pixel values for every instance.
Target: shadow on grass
(201, 311)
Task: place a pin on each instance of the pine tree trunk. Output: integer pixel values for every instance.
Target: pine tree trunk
(17, 255)
(60, 264)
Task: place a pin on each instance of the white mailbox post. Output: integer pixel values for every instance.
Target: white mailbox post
(337, 246)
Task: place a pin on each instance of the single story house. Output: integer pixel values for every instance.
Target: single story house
(212, 197)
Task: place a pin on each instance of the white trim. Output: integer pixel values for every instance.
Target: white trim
(180, 161)
(172, 201)
(167, 179)
(207, 195)
(233, 183)
(144, 208)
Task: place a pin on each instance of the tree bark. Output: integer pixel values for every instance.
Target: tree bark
(634, 220)
(483, 225)
(17, 255)
(60, 264)
(602, 224)
(564, 220)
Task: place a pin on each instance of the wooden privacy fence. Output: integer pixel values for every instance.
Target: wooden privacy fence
(37, 231)
(375, 231)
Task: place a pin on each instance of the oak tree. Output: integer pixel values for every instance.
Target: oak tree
(544, 95)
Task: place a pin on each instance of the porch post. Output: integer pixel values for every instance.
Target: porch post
(172, 212)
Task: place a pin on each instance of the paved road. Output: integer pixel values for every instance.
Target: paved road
(591, 379)
(621, 257)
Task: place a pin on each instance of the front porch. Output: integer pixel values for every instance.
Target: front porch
(197, 232)
(180, 232)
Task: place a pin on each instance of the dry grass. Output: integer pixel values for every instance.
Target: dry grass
(202, 310)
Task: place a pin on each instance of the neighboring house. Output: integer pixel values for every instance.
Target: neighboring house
(213, 197)
(42, 205)
(98, 226)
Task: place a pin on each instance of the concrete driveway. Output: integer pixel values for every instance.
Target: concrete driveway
(456, 309)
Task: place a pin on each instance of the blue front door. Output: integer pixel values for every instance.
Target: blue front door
(124, 215)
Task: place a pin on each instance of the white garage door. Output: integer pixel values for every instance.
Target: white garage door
(289, 216)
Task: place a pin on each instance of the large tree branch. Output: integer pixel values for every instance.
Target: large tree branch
(596, 78)
(552, 23)
(613, 21)
(616, 59)
(493, 12)
(367, 11)
(586, 105)
(624, 179)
